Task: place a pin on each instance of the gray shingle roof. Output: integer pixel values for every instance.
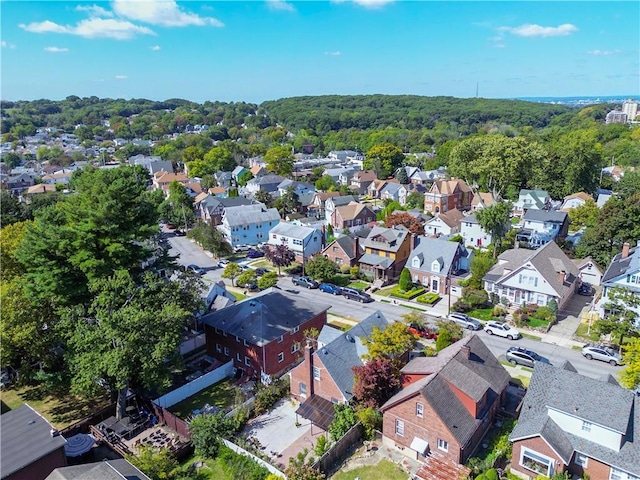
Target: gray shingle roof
(250, 214)
(106, 470)
(619, 266)
(545, 216)
(25, 437)
(346, 242)
(270, 179)
(293, 231)
(264, 317)
(387, 239)
(376, 260)
(430, 249)
(595, 401)
(343, 200)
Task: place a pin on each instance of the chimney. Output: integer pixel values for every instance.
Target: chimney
(308, 361)
(625, 250)
(414, 241)
(356, 244)
(561, 276)
(466, 351)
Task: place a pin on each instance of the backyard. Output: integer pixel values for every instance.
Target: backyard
(221, 394)
(384, 470)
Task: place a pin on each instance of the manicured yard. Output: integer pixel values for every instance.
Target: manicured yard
(212, 470)
(408, 295)
(482, 314)
(386, 291)
(359, 285)
(537, 323)
(428, 298)
(61, 408)
(221, 394)
(262, 263)
(385, 470)
(581, 332)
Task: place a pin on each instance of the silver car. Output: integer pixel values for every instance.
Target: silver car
(601, 352)
(465, 321)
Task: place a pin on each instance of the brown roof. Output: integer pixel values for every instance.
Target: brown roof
(485, 198)
(324, 196)
(201, 196)
(40, 188)
(256, 169)
(582, 195)
(166, 177)
(216, 190)
(351, 211)
(378, 184)
(447, 187)
(365, 176)
(452, 217)
(195, 186)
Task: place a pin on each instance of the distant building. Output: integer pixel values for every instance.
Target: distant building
(616, 116)
(630, 108)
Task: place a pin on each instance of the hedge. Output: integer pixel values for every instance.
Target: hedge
(408, 295)
(428, 298)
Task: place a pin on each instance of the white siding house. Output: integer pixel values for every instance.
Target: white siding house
(304, 241)
(248, 224)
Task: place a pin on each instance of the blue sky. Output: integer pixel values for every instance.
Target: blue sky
(264, 50)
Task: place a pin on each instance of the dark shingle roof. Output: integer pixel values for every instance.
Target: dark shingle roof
(106, 470)
(619, 266)
(25, 437)
(264, 317)
(534, 215)
(346, 242)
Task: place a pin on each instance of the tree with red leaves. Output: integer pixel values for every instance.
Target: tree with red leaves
(375, 382)
(279, 255)
(414, 225)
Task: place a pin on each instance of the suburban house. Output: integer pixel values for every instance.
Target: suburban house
(318, 204)
(223, 179)
(258, 170)
(39, 189)
(353, 216)
(533, 276)
(337, 201)
(572, 423)
(161, 180)
(473, 234)
(603, 196)
(395, 192)
(299, 188)
(30, 447)
(575, 200)
(447, 223)
(304, 241)
(212, 208)
(445, 195)
(361, 180)
(428, 177)
(238, 172)
(590, 271)
(61, 177)
(531, 200)
(344, 155)
(623, 272)
(386, 252)
(482, 200)
(345, 250)
(264, 334)
(543, 226)
(342, 175)
(447, 403)
(326, 370)
(19, 183)
(153, 164)
(434, 261)
(248, 224)
(374, 188)
(117, 469)
(266, 183)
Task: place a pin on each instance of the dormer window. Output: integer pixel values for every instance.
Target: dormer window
(416, 262)
(435, 266)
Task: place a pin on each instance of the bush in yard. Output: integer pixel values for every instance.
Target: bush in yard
(553, 305)
(475, 298)
(428, 298)
(461, 306)
(544, 313)
(494, 298)
(499, 311)
(206, 431)
(407, 294)
(405, 283)
(269, 279)
(371, 419)
(430, 351)
(354, 271)
(344, 269)
(531, 308)
(268, 395)
(157, 464)
(241, 466)
(344, 419)
(322, 445)
(444, 339)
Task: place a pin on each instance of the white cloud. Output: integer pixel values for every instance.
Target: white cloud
(367, 3)
(332, 54)
(533, 30)
(155, 48)
(5, 44)
(121, 77)
(56, 49)
(94, 10)
(91, 28)
(604, 53)
(161, 12)
(281, 5)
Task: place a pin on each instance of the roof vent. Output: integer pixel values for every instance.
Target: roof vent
(324, 351)
(54, 432)
(349, 338)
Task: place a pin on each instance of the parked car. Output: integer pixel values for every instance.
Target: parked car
(522, 356)
(196, 269)
(601, 352)
(422, 331)
(255, 254)
(465, 321)
(242, 248)
(245, 267)
(355, 294)
(585, 289)
(502, 330)
(331, 288)
(223, 263)
(305, 282)
(261, 271)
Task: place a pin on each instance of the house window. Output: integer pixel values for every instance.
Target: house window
(246, 344)
(303, 389)
(316, 373)
(581, 460)
(274, 236)
(281, 357)
(419, 410)
(224, 334)
(536, 462)
(281, 339)
(399, 427)
(295, 330)
(297, 242)
(586, 427)
(295, 347)
(238, 357)
(217, 330)
(218, 348)
(336, 249)
(620, 475)
(443, 445)
(237, 339)
(247, 361)
(226, 351)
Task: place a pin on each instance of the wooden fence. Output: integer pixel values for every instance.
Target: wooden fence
(338, 450)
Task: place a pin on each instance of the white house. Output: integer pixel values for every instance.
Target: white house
(473, 234)
(589, 270)
(575, 200)
(331, 203)
(543, 226)
(299, 188)
(623, 272)
(447, 223)
(394, 191)
(304, 241)
(248, 224)
(531, 199)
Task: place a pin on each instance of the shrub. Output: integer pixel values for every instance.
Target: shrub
(461, 306)
(475, 298)
(371, 419)
(344, 269)
(531, 307)
(499, 311)
(354, 271)
(553, 305)
(504, 300)
(268, 395)
(407, 294)
(405, 283)
(544, 313)
(428, 298)
(430, 351)
(240, 466)
(494, 298)
(322, 445)
(444, 339)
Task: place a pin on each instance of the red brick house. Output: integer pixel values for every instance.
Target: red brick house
(447, 402)
(345, 250)
(262, 334)
(572, 423)
(445, 195)
(353, 216)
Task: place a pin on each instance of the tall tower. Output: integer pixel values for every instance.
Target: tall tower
(630, 107)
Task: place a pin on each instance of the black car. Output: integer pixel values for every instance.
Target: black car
(261, 271)
(585, 289)
(355, 294)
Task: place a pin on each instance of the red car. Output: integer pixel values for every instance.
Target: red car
(424, 332)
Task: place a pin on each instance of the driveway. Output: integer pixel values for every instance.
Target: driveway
(569, 319)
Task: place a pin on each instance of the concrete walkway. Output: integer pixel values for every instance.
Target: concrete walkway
(569, 319)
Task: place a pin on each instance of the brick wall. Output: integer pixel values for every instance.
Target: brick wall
(537, 444)
(595, 469)
(325, 387)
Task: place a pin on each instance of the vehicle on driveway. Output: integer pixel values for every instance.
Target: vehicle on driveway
(261, 271)
(255, 254)
(223, 263)
(242, 248)
(585, 289)
(355, 294)
(422, 331)
(602, 353)
(502, 330)
(305, 282)
(330, 288)
(465, 321)
(522, 356)
(196, 269)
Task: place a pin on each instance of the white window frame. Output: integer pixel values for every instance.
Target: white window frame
(226, 351)
(238, 357)
(586, 426)
(281, 357)
(247, 361)
(443, 445)
(303, 389)
(295, 330)
(218, 348)
(538, 457)
(419, 410)
(295, 347)
(581, 459)
(399, 427)
(316, 373)
(281, 339)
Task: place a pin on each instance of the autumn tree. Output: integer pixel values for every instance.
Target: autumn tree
(496, 221)
(630, 374)
(411, 223)
(279, 255)
(232, 271)
(384, 159)
(279, 160)
(375, 382)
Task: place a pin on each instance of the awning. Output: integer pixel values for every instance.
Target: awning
(419, 445)
(318, 410)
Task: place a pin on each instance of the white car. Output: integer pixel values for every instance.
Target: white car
(502, 330)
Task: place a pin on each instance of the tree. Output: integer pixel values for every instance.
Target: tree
(206, 431)
(414, 317)
(375, 382)
(10, 238)
(389, 208)
(268, 280)
(415, 200)
(157, 464)
(232, 271)
(279, 255)
(449, 331)
(408, 221)
(244, 177)
(321, 268)
(11, 210)
(343, 420)
(128, 332)
(326, 183)
(622, 317)
(279, 160)
(585, 215)
(177, 209)
(401, 176)
(392, 342)
(246, 278)
(495, 220)
(384, 159)
(211, 239)
(405, 283)
(480, 266)
(630, 374)
(263, 197)
(301, 468)
(288, 202)
(628, 185)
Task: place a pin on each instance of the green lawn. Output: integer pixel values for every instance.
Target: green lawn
(262, 263)
(212, 470)
(60, 408)
(221, 394)
(581, 332)
(386, 291)
(485, 314)
(536, 322)
(385, 470)
(359, 285)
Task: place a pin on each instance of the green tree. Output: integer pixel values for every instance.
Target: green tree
(177, 209)
(211, 239)
(402, 177)
(263, 197)
(10, 238)
(496, 221)
(268, 280)
(480, 266)
(219, 159)
(321, 268)
(11, 210)
(630, 374)
(288, 202)
(384, 159)
(449, 331)
(279, 160)
(621, 319)
(628, 185)
(444, 339)
(301, 468)
(415, 200)
(585, 215)
(371, 420)
(326, 183)
(344, 418)
(244, 177)
(392, 342)
(128, 332)
(206, 432)
(232, 271)
(157, 464)
(246, 278)
(405, 283)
